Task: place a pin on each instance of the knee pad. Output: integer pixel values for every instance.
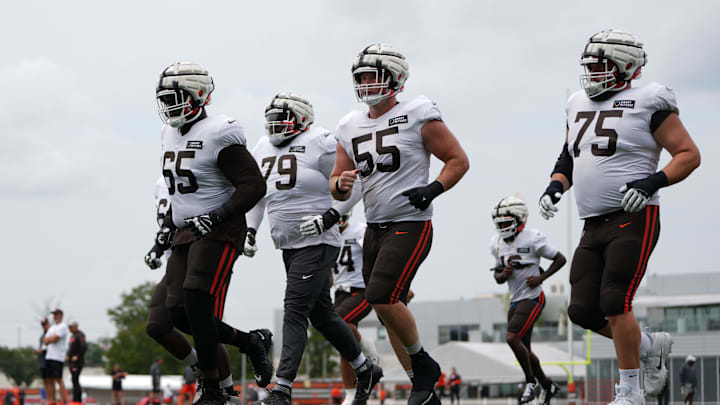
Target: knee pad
(614, 305)
(180, 320)
(587, 317)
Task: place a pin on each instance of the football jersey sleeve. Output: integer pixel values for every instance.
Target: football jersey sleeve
(542, 248)
(230, 133)
(493, 246)
(326, 161)
(665, 100)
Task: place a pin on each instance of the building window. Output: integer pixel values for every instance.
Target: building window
(455, 333)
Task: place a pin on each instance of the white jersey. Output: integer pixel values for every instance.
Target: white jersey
(611, 144)
(195, 182)
(530, 245)
(296, 186)
(57, 350)
(348, 269)
(391, 156)
(162, 199)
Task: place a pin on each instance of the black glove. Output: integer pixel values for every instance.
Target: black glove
(421, 197)
(650, 184)
(152, 259)
(552, 189)
(202, 225)
(164, 237)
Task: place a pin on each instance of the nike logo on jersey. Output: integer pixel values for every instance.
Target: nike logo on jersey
(306, 276)
(625, 224)
(403, 119)
(400, 232)
(194, 145)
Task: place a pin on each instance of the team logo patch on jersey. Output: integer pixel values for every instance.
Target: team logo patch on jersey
(349, 241)
(403, 119)
(523, 250)
(297, 149)
(624, 104)
(194, 144)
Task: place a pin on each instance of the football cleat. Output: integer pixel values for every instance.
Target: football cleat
(368, 376)
(211, 396)
(547, 394)
(655, 362)
(258, 350)
(280, 395)
(529, 394)
(427, 372)
(625, 396)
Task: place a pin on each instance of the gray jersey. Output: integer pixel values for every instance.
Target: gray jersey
(297, 186)
(195, 182)
(348, 269)
(530, 245)
(391, 156)
(611, 144)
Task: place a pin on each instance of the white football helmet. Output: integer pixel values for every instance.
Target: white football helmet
(288, 115)
(509, 216)
(621, 48)
(182, 92)
(390, 69)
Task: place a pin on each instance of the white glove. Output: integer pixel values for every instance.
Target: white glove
(250, 244)
(634, 200)
(313, 226)
(547, 206)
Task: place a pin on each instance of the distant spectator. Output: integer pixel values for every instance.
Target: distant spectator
(167, 394)
(117, 390)
(337, 395)
(156, 373)
(187, 393)
(40, 351)
(688, 380)
(76, 355)
(454, 381)
(56, 340)
(382, 395)
(441, 385)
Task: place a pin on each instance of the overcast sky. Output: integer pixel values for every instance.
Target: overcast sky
(80, 133)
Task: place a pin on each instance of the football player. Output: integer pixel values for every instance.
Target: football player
(160, 324)
(296, 158)
(350, 302)
(389, 148)
(212, 181)
(517, 251)
(615, 132)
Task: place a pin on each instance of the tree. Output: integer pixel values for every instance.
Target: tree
(132, 348)
(94, 355)
(20, 365)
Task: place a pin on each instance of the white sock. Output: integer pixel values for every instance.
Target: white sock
(410, 373)
(645, 343)
(414, 348)
(285, 382)
(359, 361)
(631, 378)
(226, 382)
(191, 358)
(349, 392)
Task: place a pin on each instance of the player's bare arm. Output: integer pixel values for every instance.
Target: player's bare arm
(442, 144)
(674, 138)
(558, 262)
(343, 175)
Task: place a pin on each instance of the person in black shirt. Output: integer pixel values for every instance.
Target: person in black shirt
(76, 355)
(117, 392)
(40, 352)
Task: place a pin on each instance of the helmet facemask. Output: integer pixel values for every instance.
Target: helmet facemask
(280, 125)
(597, 82)
(176, 107)
(376, 91)
(506, 226)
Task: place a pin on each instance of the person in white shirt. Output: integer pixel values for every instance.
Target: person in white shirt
(56, 340)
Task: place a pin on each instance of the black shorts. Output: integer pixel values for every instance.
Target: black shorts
(54, 369)
(117, 385)
(352, 307)
(392, 253)
(43, 373)
(611, 259)
(204, 265)
(523, 314)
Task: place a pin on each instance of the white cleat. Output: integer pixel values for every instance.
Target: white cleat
(655, 362)
(625, 396)
(529, 394)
